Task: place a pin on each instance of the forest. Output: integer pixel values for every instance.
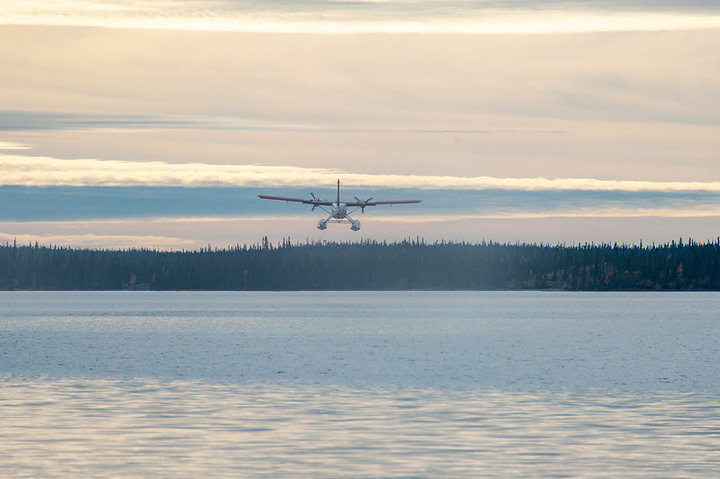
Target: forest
(368, 265)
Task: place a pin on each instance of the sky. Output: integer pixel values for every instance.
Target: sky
(156, 124)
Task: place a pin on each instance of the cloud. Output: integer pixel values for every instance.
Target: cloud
(18, 120)
(340, 17)
(99, 241)
(5, 145)
(48, 171)
(178, 234)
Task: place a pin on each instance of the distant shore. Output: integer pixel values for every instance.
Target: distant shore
(406, 265)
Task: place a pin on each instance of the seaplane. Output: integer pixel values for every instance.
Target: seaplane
(337, 210)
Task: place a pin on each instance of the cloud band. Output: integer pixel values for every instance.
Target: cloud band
(339, 17)
(48, 171)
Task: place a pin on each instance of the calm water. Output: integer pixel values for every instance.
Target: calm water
(410, 384)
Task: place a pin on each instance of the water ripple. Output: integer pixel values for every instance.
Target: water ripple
(133, 428)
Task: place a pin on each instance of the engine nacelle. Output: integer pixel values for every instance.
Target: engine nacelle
(322, 225)
(355, 225)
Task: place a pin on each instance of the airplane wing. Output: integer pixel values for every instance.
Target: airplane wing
(297, 200)
(363, 203)
(374, 203)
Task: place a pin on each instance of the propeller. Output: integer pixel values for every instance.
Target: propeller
(315, 198)
(362, 203)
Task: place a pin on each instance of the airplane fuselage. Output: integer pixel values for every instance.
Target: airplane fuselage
(339, 210)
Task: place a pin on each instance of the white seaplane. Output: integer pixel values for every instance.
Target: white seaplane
(338, 209)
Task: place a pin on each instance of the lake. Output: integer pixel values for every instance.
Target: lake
(359, 384)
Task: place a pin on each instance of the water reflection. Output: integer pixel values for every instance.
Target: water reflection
(123, 428)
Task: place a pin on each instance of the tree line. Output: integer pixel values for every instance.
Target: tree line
(367, 265)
